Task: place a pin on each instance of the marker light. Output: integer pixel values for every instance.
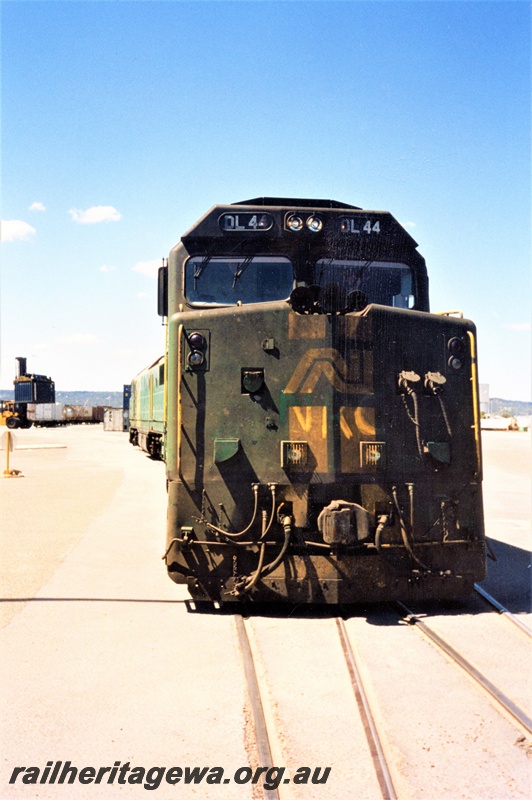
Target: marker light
(294, 223)
(196, 341)
(314, 224)
(455, 346)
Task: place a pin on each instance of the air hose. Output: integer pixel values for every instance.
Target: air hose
(247, 583)
(255, 487)
(402, 525)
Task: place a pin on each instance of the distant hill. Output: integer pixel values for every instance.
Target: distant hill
(516, 408)
(110, 399)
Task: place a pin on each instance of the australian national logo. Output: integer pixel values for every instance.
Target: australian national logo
(325, 426)
(324, 361)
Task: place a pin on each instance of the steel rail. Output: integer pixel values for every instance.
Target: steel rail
(377, 753)
(472, 671)
(259, 721)
(502, 610)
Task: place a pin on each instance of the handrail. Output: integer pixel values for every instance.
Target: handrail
(476, 415)
(179, 397)
(450, 314)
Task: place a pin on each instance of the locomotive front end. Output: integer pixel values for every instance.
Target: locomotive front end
(322, 437)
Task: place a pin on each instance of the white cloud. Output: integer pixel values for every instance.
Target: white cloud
(143, 295)
(37, 207)
(12, 230)
(149, 268)
(95, 214)
(107, 268)
(518, 326)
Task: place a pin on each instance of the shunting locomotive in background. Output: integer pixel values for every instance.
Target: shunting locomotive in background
(322, 435)
(30, 391)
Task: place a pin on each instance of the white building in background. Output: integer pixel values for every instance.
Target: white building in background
(484, 397)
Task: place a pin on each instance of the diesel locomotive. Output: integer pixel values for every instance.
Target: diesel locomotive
(147, 409)
(320, 426)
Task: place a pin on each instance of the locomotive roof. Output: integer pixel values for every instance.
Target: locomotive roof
(208, 227)
(295, 201)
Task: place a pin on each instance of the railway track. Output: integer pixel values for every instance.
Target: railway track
(332, 671)
(479, 677)
(374, 741)
(502, 610)
(262, 738)
(264, 724)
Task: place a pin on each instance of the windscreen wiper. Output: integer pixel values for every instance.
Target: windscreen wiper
(200, 269)
(245, 264)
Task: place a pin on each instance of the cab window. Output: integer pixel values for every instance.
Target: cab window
(383, 282)
(222, 280)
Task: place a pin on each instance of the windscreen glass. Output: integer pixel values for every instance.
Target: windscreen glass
(383, 282)
(222, 280)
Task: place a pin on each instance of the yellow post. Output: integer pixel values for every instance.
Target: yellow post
(8, 444)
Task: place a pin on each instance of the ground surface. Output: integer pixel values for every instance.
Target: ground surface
(103, 663)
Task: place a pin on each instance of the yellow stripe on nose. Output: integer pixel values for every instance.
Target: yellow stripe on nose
(309, 423)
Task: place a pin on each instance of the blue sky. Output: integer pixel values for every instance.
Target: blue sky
(124, 121)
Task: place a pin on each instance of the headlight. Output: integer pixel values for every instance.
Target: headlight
(455, 347)
(252, 381)
(195, 358)
(455, 363)
(314, 224)
(294, 223)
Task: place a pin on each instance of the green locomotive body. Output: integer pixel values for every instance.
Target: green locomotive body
(147, 409)
(322, 428)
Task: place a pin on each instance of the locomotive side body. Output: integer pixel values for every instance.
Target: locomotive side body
(323, 445)
(147, 409)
